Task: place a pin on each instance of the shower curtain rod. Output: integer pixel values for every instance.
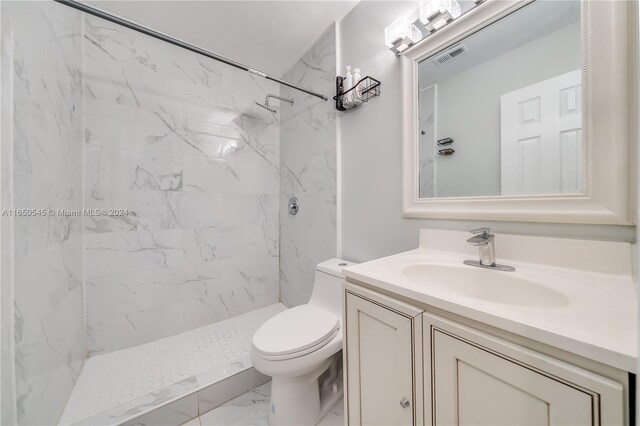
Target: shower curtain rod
(177, 42)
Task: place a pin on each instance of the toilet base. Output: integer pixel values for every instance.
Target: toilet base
(304, 400)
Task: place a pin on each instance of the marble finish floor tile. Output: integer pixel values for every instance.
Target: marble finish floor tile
(115, 378)
(252, 409)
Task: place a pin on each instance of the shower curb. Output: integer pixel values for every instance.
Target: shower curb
(179, 409)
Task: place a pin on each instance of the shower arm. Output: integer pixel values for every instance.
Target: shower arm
(266, 100)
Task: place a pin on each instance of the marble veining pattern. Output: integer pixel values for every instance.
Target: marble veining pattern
(177, 140)
(41, 169)
(252, 409)
(117, 385)
(150, 402)
(308, 171)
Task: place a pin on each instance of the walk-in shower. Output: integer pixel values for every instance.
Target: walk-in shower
(155, 254)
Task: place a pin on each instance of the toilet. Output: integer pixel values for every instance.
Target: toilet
(300, 349)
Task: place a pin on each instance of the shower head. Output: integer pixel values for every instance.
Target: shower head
(266, 106)
(270, 108)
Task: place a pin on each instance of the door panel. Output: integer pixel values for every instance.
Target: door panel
(541, 137)
(473, 386)
(486, 400)
(380, 363)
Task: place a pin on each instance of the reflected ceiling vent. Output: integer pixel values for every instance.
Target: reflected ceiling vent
(450, 54)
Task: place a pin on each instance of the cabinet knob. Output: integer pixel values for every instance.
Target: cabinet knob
(404, 403)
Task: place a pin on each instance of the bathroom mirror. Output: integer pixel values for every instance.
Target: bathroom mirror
(508, 120)
(500, 112)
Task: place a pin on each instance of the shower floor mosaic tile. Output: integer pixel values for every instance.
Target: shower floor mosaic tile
(205, 355)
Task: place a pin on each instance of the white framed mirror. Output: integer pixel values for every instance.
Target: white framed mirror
(522, 111)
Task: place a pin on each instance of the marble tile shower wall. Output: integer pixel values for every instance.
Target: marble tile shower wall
(308, 171)
(177, 140)
(42, 294)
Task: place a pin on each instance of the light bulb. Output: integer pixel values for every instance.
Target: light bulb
(401, 30)
(438, 10)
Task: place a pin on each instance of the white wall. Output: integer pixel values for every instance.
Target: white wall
(308, 171)
(372, 223)
(43, 329)
(636, 252)
(469, 109)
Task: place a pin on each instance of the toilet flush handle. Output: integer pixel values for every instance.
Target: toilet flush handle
(404, 402)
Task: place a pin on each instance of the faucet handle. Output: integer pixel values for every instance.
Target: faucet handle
(484, 231)
(482, 237)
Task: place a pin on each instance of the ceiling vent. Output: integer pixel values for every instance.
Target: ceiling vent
(450, 54)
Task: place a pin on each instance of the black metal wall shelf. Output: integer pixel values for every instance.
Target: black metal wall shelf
(361, 92)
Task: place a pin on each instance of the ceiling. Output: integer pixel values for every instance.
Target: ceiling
(269, 36)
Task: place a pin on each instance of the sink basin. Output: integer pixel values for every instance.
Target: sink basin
(484, 284)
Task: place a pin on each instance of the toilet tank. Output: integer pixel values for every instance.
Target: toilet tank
(327, 285)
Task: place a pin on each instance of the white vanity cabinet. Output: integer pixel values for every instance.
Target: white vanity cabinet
(454, 374)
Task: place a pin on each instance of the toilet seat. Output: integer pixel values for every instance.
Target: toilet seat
(295, 332)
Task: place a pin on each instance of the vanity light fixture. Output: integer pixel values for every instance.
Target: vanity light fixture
(433, 15)
(401, 35)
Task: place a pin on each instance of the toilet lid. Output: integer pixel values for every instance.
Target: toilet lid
(295, 330)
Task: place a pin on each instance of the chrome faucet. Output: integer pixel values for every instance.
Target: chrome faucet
(484, 240)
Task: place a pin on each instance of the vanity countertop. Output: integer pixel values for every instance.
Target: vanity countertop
(594, 314)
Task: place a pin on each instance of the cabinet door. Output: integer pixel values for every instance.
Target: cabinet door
(476, 387)
(477, 380)
(380, 354)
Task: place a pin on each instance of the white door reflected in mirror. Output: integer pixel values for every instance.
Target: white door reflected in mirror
(541, 139)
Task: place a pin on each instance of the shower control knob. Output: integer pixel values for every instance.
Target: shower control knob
(404, 403)
(294, 206)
